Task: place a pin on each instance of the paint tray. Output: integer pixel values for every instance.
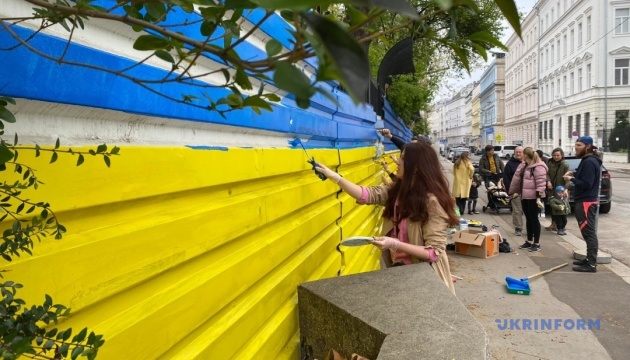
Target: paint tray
(516, 286)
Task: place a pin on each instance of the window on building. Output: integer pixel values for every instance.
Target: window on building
(547, 58)
(558, 50)
(588, 76)
(553, 16)
(542, 24)
(540, 131)
(622, 18)
(578, 123)
(587, 124)
(558, 87)
(553, 92)
(558, 9)
(579, 35)
(572, 84)
(551, 129)
(588, 28)
(548, 98)
(552, 52)
(564, 38)
(570, 127)
(572, 41)
(542, 61)
(545, 130)
(546, 22)
(566, 86)
(621, 71)
(621, 115)
(579, 80)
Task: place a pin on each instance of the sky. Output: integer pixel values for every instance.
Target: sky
(452, 85)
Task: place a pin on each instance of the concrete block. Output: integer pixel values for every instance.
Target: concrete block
(404, 312)
(602, 257)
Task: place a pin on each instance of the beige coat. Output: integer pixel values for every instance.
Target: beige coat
(462, 179)
(431, 234)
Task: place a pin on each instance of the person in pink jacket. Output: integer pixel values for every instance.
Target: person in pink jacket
(530, 181)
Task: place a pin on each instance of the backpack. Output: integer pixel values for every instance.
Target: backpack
(504, 246)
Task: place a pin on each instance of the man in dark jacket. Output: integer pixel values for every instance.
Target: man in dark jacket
(508, 175)
(585, 183)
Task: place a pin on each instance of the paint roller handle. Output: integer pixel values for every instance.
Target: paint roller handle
(317, 172)
(545, 271)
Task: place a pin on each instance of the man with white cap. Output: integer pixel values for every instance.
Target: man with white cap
(585, 183)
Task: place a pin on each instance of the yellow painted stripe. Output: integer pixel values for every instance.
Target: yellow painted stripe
(207, 246)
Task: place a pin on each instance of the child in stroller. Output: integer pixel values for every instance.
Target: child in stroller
(498, 197)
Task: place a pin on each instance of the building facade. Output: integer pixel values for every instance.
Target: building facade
(521, 91)
(475, 138)
(492, 102)
(584, 64)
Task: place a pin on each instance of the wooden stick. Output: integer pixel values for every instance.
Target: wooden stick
(546, 271)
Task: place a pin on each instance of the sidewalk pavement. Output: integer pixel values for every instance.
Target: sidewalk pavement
(562, 294)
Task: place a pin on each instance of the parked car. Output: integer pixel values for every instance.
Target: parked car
(605, 195)
(505, 151)
(457, 152)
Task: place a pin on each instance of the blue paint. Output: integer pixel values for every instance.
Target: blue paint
(201, 147)
(26, 75)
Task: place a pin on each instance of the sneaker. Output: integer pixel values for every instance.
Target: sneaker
(518, 232)
(527, 245)
(585, 268)
(580, 262)
(475, 212)
(470, 212)
(559, 232)
(564, 232)
(534, 248)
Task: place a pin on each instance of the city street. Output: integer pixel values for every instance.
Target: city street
(614, 226)
(563, 295)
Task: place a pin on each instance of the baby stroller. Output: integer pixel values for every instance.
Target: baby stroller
(498, 197)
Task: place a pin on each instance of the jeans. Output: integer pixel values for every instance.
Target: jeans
(586, 216)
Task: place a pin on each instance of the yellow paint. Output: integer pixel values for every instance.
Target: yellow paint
(181, 253)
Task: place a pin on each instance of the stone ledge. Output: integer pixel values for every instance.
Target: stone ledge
(399, 313)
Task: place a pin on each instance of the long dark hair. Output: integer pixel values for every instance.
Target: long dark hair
(422, 175)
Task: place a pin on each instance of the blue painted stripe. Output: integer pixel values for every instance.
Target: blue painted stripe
(27, 75)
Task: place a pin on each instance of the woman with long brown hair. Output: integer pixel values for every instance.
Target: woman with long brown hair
(418, 210)
(463, 171)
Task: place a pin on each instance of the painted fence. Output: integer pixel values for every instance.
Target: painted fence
(192, 244)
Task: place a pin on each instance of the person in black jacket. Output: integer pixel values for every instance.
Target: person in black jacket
(400, 143)
(508, 174)
(585, 184)
(490, 165)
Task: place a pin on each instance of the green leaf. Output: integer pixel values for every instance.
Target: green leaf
(303, 103)
(150, 42)
(356, 16)
(273, 97)
(155, 9)
(15, 140)
(6, 115)
(80, 336)
(8, 99)
(509, 10)
(398, 6)
(273, 47)
(5, 154)
(57, 144)
(115, 150)
(80, 160)
(207, 27)
(481, 51)
(37, 148)
(53, 158)
(101, 148)
(226, 74)
(165, 55)
(486, 37)
(107, 161)
(255, 101)
(350, 60)
(76, 352)
(445, 4)
(288, 77)
(461, 55)
(242, 79)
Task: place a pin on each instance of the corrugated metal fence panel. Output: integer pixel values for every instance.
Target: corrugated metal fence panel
(206, 245)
